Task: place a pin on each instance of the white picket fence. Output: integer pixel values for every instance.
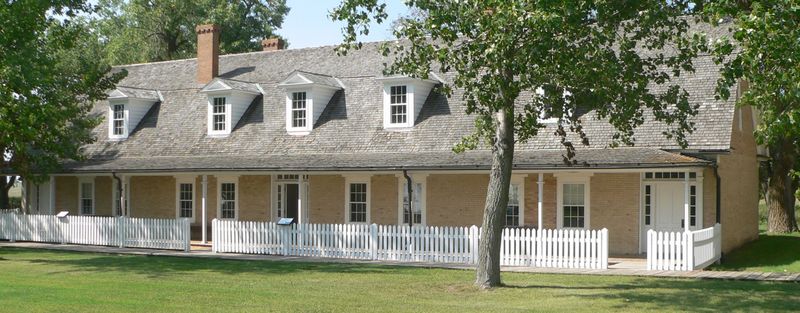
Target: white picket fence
(520, 247)
(97, 230)
(684, 251)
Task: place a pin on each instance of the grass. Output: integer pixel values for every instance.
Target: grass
(49, 281)
(770, 253)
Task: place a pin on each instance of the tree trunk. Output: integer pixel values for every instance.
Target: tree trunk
(5, 187)
(488, 271)
(780, 191)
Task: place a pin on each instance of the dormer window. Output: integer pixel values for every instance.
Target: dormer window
(307, 95)
(219, 115)
(126, 108)
(118, 120)
(398, 105)
(403, 98)
(299, 115)
(227, 102)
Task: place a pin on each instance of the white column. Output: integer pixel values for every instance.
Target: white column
(541, 199)
(203, 207)
(686, 201)
(301, 193)
(52, 197)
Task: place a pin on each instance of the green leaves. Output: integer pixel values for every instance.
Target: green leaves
(617, 58)
(49, 82)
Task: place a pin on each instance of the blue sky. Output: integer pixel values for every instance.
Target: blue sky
(308, 24)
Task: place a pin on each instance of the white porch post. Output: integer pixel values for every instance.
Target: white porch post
(301, 193)
(541, 199)
(686, 201)
(24, 190)
(52, 197)
(203, 206)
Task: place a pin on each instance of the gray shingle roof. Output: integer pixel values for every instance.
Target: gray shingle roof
(349, 132)
(126, 92)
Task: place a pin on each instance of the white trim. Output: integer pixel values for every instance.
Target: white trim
(125, 119)
(573, 178)
(415, 179)
(356, 179)
(387, 105)
(81, 181)
(179, 180)
(519, 181)
(309, 105)
(228, 180)
(210, 116)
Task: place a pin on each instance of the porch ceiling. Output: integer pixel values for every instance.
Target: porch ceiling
(471, 160)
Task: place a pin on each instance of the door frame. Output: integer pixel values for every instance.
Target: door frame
(278, 181)
(695, 180)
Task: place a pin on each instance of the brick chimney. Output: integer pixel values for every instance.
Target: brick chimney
(272, 44)
(207, 52)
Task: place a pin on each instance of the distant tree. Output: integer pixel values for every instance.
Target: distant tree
(49, 80)
(765, 53)
(138, 31)
(583, 54)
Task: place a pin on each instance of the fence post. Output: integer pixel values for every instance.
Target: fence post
(214, 236)
(373, 241)
(121, 231)
(690, 251)
(473, 240)
(186, 232)
(604, 249)
(285, 239)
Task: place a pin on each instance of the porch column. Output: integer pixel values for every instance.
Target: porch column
(686, 201)
(203, 206)
(541, 199)
(51, 205)
(300, 194)
(23, 193)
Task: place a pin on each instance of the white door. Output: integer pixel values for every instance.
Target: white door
(668, 210)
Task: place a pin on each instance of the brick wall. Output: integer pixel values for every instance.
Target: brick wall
(614, 204)
(153, 196)
(326, 203)
(383, 198)
(456, 200)
(254, 197)
(67, 194)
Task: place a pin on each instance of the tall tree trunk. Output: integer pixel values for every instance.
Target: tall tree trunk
(781, 189)
(488, 272)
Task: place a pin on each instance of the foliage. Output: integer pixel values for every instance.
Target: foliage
(517, 61)
(47, 281)
(48, 84)
(138, 31)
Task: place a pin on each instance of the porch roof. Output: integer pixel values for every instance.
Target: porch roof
(472, 160)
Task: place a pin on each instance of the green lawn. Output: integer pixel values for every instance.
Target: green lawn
(48, 281)
(770, 253)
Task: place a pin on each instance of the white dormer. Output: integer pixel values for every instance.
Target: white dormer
(546, 117)
(126, 108)
(227, 101)
(307, 95)
(403, 98)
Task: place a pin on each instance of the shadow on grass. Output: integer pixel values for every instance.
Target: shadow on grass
(663, 294)
(775, 251)
(164, 266)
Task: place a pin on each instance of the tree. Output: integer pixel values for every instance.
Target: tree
(137, 31)
(765, 53)
(582, 54)
(48, 84)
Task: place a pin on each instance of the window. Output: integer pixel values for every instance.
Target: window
(692, 205)
(417, 206)
(398, 105)
(118, 119)
(513, 207)
(87, 198)
(228, 200)
(218, 114)
(648, 203)
(280, 200)
(298, 109)
(669, 175)
(574, 206)
(186, 200)
(357, 203)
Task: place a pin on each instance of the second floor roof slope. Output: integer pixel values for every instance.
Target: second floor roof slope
(351, 123)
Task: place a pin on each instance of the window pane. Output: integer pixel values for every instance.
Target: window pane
(358, 202)
(573, 205)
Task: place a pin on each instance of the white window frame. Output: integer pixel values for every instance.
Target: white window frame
(574, 178)
(112, 118)
(228, 180)
(387, 106)
(357, 180)
(81, 182)
(126, 181)
(519, 181)
(182, 181)
(293, 110)
(227, 115)
(423, 203)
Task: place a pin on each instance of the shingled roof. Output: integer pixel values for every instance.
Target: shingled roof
(349, 134)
